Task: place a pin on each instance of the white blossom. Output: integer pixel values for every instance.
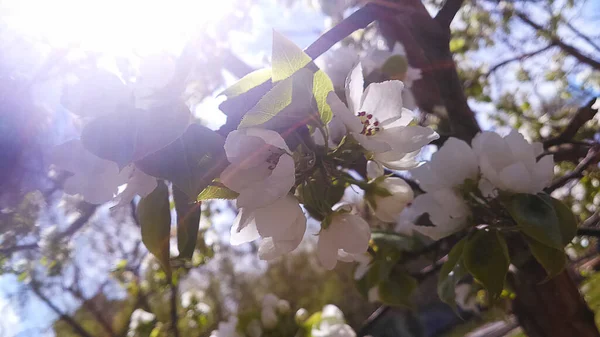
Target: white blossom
(261, 169)
(227, 329)
(364, 262)
(465, 298)
(510, 164)
(332, 324)
(387, 208)
(138, 317)
(441, 177)
(376, 119)
(347, 232)
(281, 225)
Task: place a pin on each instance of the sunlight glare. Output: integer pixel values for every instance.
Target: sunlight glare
(115, 27)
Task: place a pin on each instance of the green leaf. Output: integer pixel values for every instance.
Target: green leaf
(188, 223)
(132, 134)
(536, 218)
(252, 80)
(451, 273)
(322, 86)
(486, 258)
(391, 241)
(397, 291)
(395, 67)
(567, 222)
(191, 162)
(217, 192)
(288, 105)
(155, 219)
(286, 58)
(553, 260)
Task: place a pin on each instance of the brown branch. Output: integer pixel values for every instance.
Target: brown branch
(445, 16)
(567, 48)
(91, 308)
(77, 328)
(592, 157)
(174, 318)
(517, 58)
(583, 36)
(582, 116)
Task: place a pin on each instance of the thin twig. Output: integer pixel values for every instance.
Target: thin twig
(174, 317)
(582, 116)
(592, 157)
(517, 58)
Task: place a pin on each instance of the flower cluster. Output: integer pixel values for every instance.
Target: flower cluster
(491, 165)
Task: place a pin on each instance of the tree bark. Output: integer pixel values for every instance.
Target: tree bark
(550, 309)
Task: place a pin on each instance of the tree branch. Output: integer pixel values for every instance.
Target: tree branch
(62, 316)
(174, 318)
(445, 16)
(517, 58)
(567, 48)
(583, 114)
(592, 157)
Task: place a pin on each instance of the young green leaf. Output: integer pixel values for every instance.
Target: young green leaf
(486, 258)
(217, 192)
(536, 218)
(395, 67)
(322, 86)
(188, 222)
(552, 259)
(191, 162)
(154, 214)
(290, 103)
(451, 273)
(252, 80)
(286, 58)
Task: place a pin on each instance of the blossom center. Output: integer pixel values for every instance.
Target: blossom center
(273, 157)
(370, 123)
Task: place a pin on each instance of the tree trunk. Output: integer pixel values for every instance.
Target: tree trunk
(553, 308)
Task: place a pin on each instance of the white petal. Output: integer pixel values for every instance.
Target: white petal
(521, 150)
(269, 136)
(384, 101)
(346, 116)
(267, 191)
(397, 160)
(374, 169)
(327, 251)
(139, 184)
(239, 147)
(390, 207)
(354, 88)
(371, 144)
(544, 171)
(237, 177)
(407, 139)
(428, 177)
(279, 217)
(516, 178)
(244, 228)
(455, 162)
(351, 231)
(487, 188)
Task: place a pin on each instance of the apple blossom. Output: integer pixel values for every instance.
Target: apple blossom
(332, 324)
(376, 119)
(386, 206)
(347, 232)
(261, 169)
(510, 164)
(441, 178)
(465, 298)
(281, 225)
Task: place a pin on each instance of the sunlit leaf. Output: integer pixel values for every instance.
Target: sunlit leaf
(286, 58)
(451, 273)
(217, 192)
(536, 218)
(457, 44)
(322, 86)
(486, 258)
(132, 134)
(188, 222)
(552, 259)
(250, 81)
(155, 219)
(191, 162)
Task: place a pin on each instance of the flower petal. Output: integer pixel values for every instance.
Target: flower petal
(397, 160)
(342, 112)
(244, 228)
(273, 187)
(516, 178)
(384, 101)
(374, 169)
(407, 139)
(354, 88)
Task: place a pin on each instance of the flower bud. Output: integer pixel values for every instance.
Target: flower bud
(301, 315)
